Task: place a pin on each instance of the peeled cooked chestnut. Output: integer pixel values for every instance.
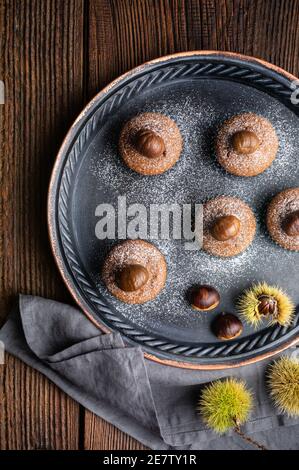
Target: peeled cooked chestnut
(132, 277)
(226, 227)
(227, 326)
(291, 224)
(149, 144)
(267, 305)
(204, 298)
(245, 142)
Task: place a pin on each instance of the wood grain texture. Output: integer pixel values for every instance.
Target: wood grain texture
(126, 33)
(101, 435)
(42, 66)
(34, 413)
(54, 55)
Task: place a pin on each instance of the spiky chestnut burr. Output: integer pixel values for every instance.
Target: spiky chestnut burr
(226, 404)
(283, 383)
(264, 301)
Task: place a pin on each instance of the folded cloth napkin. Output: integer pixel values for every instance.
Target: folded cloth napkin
(155, 404)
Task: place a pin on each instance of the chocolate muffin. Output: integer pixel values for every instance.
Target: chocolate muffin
(246, 145)
(135, 271)
(150, 143)
(283, 219)
(228, 226)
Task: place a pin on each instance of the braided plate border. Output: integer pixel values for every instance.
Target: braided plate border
(165, 74)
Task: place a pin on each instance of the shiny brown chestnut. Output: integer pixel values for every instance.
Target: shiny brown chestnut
(204, 298)
(132, 277)
(227, 326)
(149, 144)
(267, 305)
(245, 142)
(291, 224)
(226, 227)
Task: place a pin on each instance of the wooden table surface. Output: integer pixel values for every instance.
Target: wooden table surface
(54, 56)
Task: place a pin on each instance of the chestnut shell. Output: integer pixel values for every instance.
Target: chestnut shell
(132, 277)
(245, 142)
(226, 227)
(204, 297)
(291, 224)
(227, 326)
(267, 305)
(149, 144)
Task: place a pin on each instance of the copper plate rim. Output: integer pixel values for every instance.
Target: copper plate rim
(51, 204)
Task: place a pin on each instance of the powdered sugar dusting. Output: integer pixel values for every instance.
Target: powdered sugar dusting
(284, 204)
(222, 206)
(165, 128)
(253, 163)
(135, 252)
(197, 177)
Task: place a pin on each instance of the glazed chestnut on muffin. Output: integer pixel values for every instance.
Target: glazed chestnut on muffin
(132, 277)
(149, 144)
(245, 142)
(226, 227)
(291, 224)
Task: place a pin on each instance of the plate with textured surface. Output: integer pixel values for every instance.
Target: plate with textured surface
(198, 90)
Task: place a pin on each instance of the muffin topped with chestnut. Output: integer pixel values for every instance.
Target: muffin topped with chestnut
(228, 226)
(150, 143)
(134, 271)
(283, 219)
(246, 145)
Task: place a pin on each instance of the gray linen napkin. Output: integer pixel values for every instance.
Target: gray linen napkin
(153, 403)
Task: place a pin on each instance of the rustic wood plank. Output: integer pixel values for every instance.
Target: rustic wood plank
(41, 57)
(126, 33)
(101, 435)
(34, 413)
(41, 60)
(123, 34)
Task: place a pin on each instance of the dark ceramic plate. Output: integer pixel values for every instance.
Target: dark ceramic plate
(199, 91)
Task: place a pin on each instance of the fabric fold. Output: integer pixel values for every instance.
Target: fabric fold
(97, 371)
(153, 403)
